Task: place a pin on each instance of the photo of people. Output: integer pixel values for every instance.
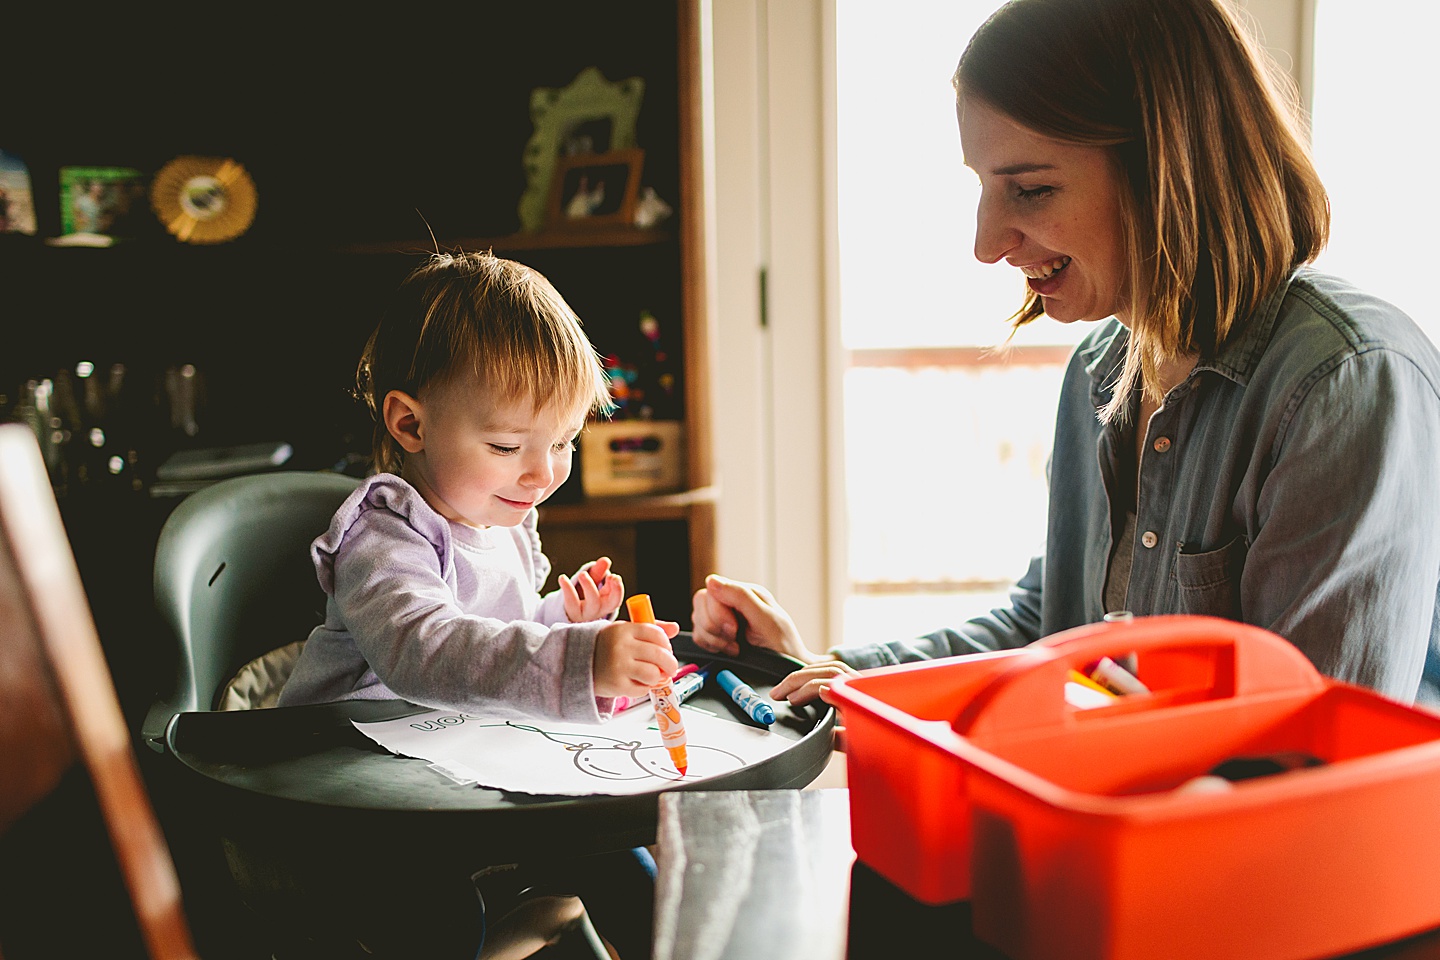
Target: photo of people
(17, 201)
(596, 189)
(99, 200)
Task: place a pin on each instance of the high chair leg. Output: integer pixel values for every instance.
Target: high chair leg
(532, 926)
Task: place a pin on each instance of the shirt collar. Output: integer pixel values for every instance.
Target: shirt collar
(1104, 353)
(1238, 358)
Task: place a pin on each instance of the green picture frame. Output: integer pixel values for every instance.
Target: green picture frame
(101, 201)
(591, 115)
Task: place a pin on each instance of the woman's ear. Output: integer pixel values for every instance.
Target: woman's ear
(403, 415)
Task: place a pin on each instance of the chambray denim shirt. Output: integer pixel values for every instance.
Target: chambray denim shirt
(1291, 482)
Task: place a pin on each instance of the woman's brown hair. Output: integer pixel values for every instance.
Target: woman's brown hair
(1221, 200)
(494, 320)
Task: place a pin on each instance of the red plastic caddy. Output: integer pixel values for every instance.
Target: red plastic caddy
(972, 777)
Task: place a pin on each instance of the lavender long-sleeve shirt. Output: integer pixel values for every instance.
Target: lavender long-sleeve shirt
(441, 614)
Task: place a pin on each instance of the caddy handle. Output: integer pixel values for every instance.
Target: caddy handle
(1237, 659)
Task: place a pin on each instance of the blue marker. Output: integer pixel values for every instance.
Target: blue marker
(748, 699)
(687, 685)
(683, 689)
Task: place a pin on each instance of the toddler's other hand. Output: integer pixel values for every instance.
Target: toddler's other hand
(593, 594)
(630, 658)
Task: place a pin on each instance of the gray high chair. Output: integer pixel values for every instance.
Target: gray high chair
(236, 593)
(236, 590)
(234, 582)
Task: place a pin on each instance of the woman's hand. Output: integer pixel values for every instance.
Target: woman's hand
(593, 594)
(722, 605)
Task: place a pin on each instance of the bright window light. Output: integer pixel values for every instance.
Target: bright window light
(906, 214)
(945, 452)
(1375, 146)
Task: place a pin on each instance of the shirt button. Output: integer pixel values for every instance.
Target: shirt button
(1149, 539)
(1162, 444)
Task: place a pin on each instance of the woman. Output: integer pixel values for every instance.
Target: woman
(1241, 435)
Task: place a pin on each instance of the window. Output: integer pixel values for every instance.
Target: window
(1374, 145)
(946, 441)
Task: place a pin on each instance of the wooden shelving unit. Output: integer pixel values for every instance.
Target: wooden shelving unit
(658, 506)
(573, 531)
(514, 243)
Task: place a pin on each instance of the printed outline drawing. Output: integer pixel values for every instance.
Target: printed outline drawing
(655, 762)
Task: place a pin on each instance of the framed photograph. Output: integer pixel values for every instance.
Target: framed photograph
(591, 116)
(17, 202)
(105, 201)
(593, 190)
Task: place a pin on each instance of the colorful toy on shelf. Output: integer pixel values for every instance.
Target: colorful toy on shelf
(621, 379)
(642, 382)
(638, 449)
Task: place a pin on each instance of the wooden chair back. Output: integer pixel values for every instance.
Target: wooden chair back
(57, 699)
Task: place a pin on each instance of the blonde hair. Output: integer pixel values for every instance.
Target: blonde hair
(480, 316)
(1219, 197)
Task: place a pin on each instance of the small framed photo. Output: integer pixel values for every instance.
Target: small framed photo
(102, 201)
(17, 202)
(595, 189)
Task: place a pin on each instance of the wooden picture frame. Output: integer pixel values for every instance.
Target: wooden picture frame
(595, 190)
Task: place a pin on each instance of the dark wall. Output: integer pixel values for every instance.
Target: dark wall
(357, 128)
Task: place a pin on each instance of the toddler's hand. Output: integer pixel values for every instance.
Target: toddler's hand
(630, 658)
(593, 594)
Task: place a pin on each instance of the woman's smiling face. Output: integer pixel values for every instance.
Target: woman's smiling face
(1050, 208)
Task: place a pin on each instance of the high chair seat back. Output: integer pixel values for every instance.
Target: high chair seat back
(234, 580)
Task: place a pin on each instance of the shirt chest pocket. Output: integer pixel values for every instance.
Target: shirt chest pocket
(1209, 581)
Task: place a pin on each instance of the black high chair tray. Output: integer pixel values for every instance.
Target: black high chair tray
(306, 775)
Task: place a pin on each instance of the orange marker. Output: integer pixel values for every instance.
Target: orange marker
(667, 707)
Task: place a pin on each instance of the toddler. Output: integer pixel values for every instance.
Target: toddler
(479, 378)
